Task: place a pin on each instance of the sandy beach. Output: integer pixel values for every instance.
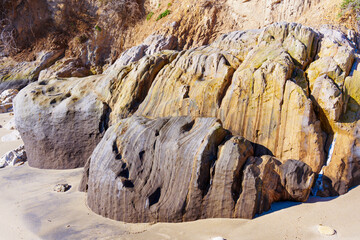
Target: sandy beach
(30, 209)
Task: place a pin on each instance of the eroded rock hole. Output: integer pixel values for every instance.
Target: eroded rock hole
(187, 127)
(141, 155)
(128, 184)
(124, 173)
(105, 117)
(186, 90)
(51, 89)
(115, 148)
(155, 197)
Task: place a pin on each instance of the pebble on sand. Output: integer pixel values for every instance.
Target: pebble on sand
(218, 238)
(62, 187)
(326, 230)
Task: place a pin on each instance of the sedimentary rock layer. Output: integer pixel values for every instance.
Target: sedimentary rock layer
(183, 168)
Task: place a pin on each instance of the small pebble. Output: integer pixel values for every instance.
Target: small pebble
(326, 230)
(218, 238)
(62, 187)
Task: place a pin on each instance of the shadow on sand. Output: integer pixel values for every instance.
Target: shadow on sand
(277, 206)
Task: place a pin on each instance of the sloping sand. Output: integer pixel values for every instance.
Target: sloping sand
(30, 209)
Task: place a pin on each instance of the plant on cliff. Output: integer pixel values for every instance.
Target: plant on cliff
(163, 14)
(150, 14)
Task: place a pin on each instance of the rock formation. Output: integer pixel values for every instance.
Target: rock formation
(256, 98)
(52, 115)
(181, 169)
(256, 116)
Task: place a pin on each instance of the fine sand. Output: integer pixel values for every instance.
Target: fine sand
(30, 209)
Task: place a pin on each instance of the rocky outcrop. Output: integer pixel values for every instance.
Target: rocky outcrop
(287, 96)
(334, 92)
(184, 168)
(51, 113)
(257, 98)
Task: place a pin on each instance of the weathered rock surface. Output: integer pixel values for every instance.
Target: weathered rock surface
(65, 68)
(29, 70)
(334, 85)
(182, 169)
(285, 94)
(65, 119)
(266, 180)
(151, 45)
(60, 122)
(14, 157)
(257, 98)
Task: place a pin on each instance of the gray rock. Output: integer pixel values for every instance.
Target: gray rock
(14, 157)
(61, 120)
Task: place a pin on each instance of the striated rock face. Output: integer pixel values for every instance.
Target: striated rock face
(182, 169)
(257, 98)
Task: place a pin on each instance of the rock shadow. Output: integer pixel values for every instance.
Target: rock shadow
(277, 206)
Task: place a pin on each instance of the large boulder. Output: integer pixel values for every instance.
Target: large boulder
(60, 122)
(182, 169)
(266, 180)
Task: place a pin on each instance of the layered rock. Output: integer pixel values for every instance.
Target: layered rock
(257, 98)
(182, 169)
